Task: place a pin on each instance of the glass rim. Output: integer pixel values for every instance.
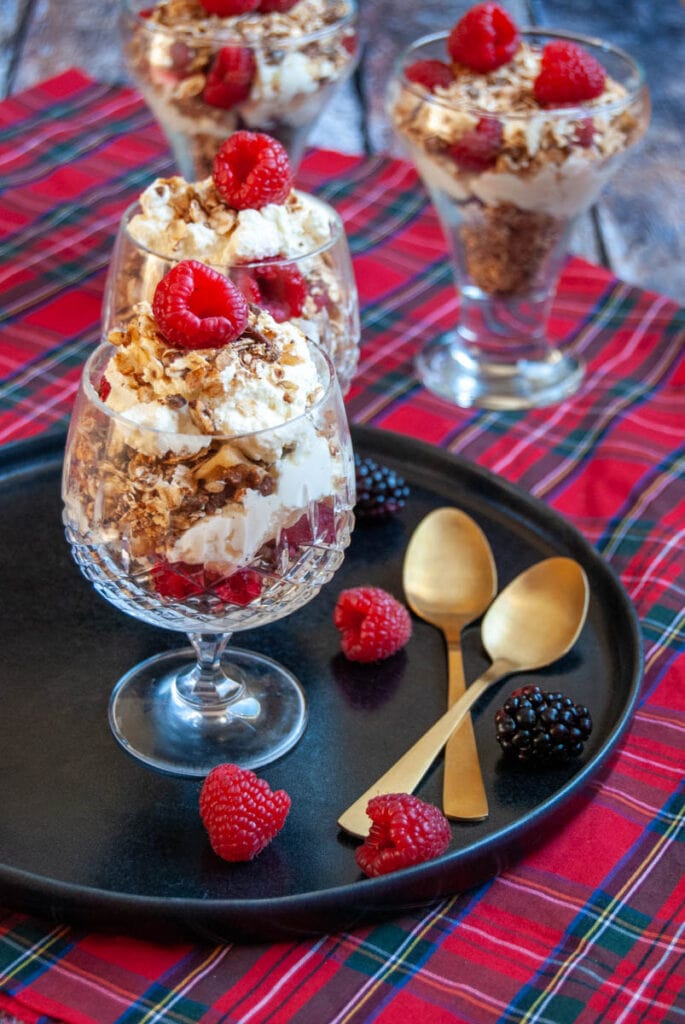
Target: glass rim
(569, 110)
(337, 234)
(106, 347)
(224, 35)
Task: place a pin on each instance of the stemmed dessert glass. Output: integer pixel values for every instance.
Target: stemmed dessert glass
(207, 535)
(507, 214)
(330, 316)
(290, 78)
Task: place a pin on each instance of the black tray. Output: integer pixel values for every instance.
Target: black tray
(91, 836)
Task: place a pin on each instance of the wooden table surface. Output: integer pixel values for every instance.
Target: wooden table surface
(637, 228)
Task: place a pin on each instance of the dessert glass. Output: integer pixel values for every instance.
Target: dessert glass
(184, 711)
(331, 315)
(507, 226)
(170, 64)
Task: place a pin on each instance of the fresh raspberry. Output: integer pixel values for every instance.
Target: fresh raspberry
(477, 149)
(241, 587)
(178, 580)
(228, 8)
(404, 831)
(241, 812)
(197, 307)
(372, 624)
(104, 388)
(429, 73)
(279, 289)
(230, 77)
(252, 169)
(484, 39)
(568, 74)
(279, 6)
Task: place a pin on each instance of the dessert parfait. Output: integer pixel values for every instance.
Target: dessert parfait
(210, 67)
(208, 487)
(515, 132)
(286, 250)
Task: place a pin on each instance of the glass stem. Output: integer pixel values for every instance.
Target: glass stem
(206, 685)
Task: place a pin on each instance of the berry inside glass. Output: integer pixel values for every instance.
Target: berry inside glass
(207, 534)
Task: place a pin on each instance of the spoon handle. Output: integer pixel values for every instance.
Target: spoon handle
(405, 774)
(463, 791)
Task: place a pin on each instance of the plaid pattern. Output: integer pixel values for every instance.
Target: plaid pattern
(589, 927)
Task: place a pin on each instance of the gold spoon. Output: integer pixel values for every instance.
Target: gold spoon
(532, 622)
(449, 580)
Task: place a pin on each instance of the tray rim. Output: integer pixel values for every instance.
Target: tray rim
(43, 452)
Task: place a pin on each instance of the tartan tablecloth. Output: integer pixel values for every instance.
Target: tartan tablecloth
(590, 926)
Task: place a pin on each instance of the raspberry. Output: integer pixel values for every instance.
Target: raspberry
(484, 39)
(381, 492)
(104, 388)
(230, 77)
(568, 74)
(251, 170)
(279, 6)
(178, 580)
(228, 8)
(242, 587)
(585, 133)
(372, 624)
(404, 831)
(477, 149)
(241, 812)
(197, 307)
(534, 725)
(280, 289)
(429, 73)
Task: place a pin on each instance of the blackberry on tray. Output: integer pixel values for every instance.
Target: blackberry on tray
(538, 726)
(381, 492)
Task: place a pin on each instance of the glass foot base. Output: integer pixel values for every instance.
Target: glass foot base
(264, 716)
(447, 368)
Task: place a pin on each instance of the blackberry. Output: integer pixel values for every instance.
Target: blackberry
(534, 725)
(381, 492)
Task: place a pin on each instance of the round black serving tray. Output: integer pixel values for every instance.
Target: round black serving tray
(90, 836)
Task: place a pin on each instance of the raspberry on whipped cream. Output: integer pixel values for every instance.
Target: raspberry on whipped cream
(206, 74)
(181, 220)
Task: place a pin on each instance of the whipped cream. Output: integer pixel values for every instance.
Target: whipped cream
(180, 220)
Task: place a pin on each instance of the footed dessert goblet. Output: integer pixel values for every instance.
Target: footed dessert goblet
(207, 534)
(509, 168)
(314, 289)
(269, 67)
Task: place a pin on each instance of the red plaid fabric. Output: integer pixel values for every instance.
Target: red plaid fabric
(589, 927)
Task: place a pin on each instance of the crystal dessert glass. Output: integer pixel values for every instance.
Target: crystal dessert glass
(205, 77)
(150, 517)
(330, 313)
(508, 179)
